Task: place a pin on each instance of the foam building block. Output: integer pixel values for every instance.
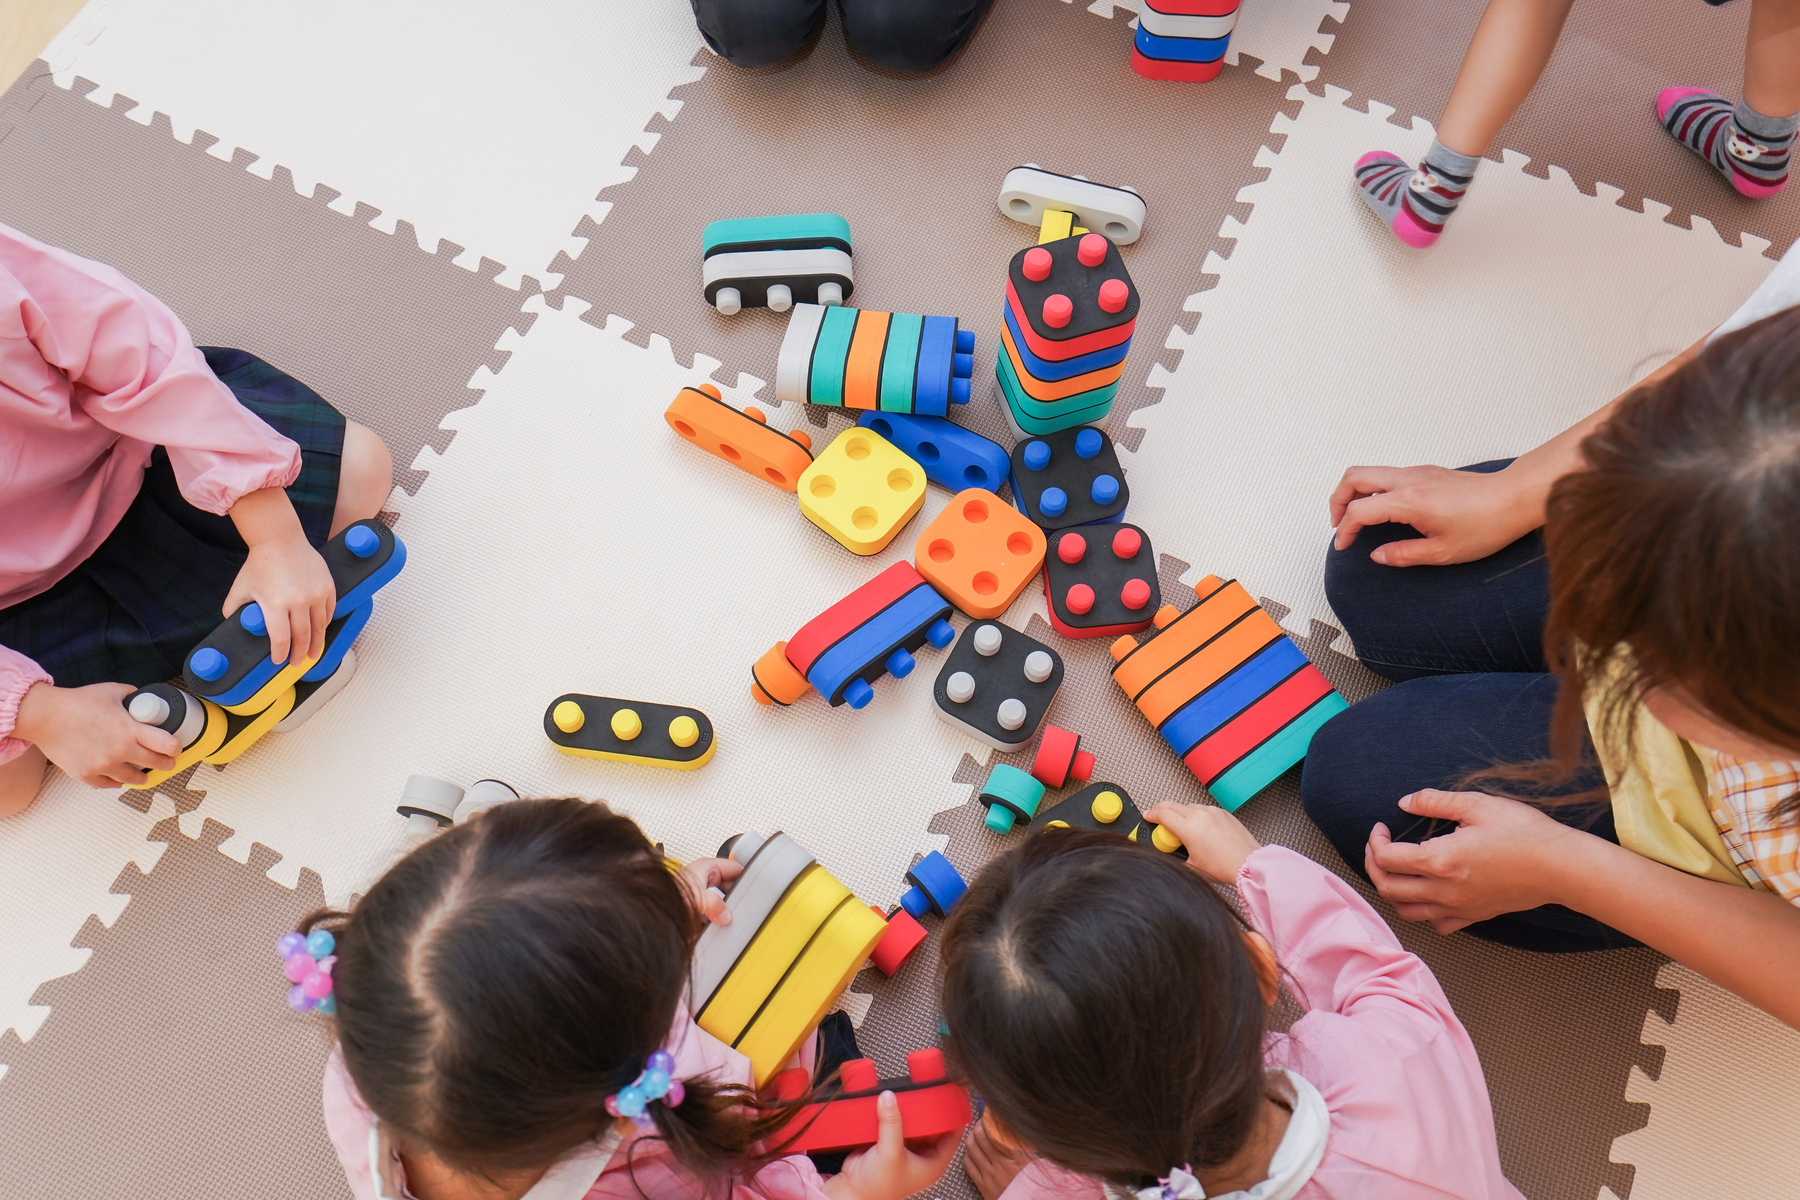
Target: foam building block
(743, 439)
(242, 732)
(980, 553)
(231, 665)
(904, 935)
(633, 731)
(1070, 313)
(311, 695)
(861, 490)
(1060, 758)
(1011, 796)
(796, 939)
(430, 804)
(1227, 689)
(936, 886)
(1068, 478)
(1183, 40)
(1101, 581)
(198, 725)
(1108, 808)
(1027, 193)
(859, 358)
(869, 633)
(758, 262)
(997, 684)
(951, 456)
(843, 1117)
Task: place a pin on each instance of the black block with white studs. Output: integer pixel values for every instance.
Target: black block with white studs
(997, 684)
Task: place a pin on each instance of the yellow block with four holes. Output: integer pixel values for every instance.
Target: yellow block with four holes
(825, 968)
(861, 490)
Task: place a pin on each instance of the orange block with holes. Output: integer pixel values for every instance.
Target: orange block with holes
(980, 553)
(742, 439)
(1180, 634)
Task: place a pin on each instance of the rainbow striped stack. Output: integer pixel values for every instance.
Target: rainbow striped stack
(1070, 313)
(1183, 40)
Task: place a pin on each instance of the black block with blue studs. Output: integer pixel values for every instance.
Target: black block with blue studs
(1068, 478)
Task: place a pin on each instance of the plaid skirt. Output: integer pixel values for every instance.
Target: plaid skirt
(131, 612)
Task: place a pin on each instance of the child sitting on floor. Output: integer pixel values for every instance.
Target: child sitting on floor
(150, 488)
(1112, 1009)
(503, 987)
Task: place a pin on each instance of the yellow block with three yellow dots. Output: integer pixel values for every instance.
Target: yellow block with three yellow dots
(862, 490)
(634, 731)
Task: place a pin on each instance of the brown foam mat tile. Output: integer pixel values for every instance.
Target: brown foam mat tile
(915, 166)
(387, 333)
(1592, 113)
(170, 1065)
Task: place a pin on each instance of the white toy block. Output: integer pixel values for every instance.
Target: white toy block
(770, 277)
(768, 874)
(1117, 212)
(1177, 25)
(311, 697)
(428, 804)
(794, 363)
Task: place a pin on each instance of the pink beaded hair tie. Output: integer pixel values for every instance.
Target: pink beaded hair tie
(306, 960)
(656, 1082)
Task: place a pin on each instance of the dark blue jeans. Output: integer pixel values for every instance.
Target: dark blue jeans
(906, 36)
(1464, 644)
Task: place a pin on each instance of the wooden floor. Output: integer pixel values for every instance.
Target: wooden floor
(26, 27)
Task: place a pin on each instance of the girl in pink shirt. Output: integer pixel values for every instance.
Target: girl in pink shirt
(1112, 1009)
(498, 990)
(149, 488)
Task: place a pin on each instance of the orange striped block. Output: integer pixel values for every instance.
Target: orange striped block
(862, 370)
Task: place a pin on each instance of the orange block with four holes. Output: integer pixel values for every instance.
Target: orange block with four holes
(980, 553)
(742, 439)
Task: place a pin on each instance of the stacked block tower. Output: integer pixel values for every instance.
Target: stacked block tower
(1183, 40)
(1070, 313)
(858, 358)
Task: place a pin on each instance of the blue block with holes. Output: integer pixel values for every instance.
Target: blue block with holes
(953, 457)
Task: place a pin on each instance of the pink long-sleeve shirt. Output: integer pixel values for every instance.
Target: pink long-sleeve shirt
(95, 373)
(697, 1054)
(1410, 1118)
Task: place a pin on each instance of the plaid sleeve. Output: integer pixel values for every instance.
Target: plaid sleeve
(1744, 797)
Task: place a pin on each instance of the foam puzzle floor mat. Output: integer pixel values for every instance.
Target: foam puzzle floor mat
(475, 234)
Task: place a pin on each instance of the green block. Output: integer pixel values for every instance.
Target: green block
(899, 359)
(1258, 769)
(1011, 796)
(830, 353)
(1050, 409)
(818, 228)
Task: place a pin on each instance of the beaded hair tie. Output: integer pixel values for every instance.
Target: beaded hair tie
(656, 1082)
(306, 960)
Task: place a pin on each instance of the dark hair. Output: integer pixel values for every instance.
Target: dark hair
(507, 976)
(1674, 555)
(1101, 999)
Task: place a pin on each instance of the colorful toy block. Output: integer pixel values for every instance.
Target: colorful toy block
(242, 732)
(979, 552)
(784, 962)
(199, 725)
(1183, 40)
(231, 666)
(1228, 690)
(1191, 26)
(997, 684)
(743, 439)
(1060, 758)
(869, 633)
(754, 262)
(1049, 370)
(1068, 478)
(843, 1117)
(1180, 49)
(633, 731)
(861, 490)
(859, 358)
(1108, 808)
(951, 456)
(1101, 581)
(904, 935)
(1071, 297)
(1175, 72)
(1011, 796)
(936, 886)
(1029, 192)
(312, 695)
(431, 804)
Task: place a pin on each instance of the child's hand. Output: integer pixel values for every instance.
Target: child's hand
(87, 732)
(284, 574)
(1217, 842)
(703, 875)
(888, 1170)
(990, 1163)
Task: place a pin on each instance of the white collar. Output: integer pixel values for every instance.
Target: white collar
(1301, 1150)
(570, 1178)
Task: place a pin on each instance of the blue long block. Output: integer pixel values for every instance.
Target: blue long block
(953, 457)
(1211, 709)
(1259, 768)
(359, 596)
(875, 640)
(338, 642)
(251, 683)
(1068, 368)
(1198, 50)
(933, 379)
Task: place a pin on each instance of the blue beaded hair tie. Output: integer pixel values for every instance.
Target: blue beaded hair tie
(656, 1082)
(307, 960)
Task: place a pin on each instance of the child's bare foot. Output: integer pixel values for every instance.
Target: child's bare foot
(990, 1165)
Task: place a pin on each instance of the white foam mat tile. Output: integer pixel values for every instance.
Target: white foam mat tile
(58, 861)
(569, 541)
(1276, 33)
(1722, 1107)
(492, 126)
(1327, 343)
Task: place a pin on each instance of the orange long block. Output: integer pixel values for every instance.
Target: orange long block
(742, 439)
(1206, 666)
(862, 370)
(1220, 604)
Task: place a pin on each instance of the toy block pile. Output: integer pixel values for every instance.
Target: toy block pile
(1183, 40)
(1068, 320)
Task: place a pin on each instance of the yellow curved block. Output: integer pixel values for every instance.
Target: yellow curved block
(265, 695)
(824, 969)
(246, 735)
(814, 896)
(861, 490)
(210, 739)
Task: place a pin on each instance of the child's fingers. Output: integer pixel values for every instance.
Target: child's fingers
(890, 1135)
(156, 748)
(320, 617)
(275, 624)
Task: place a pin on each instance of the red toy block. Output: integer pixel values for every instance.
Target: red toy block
(1061, 758)
(903, 936)
(931, 1105)
(1181, 72)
